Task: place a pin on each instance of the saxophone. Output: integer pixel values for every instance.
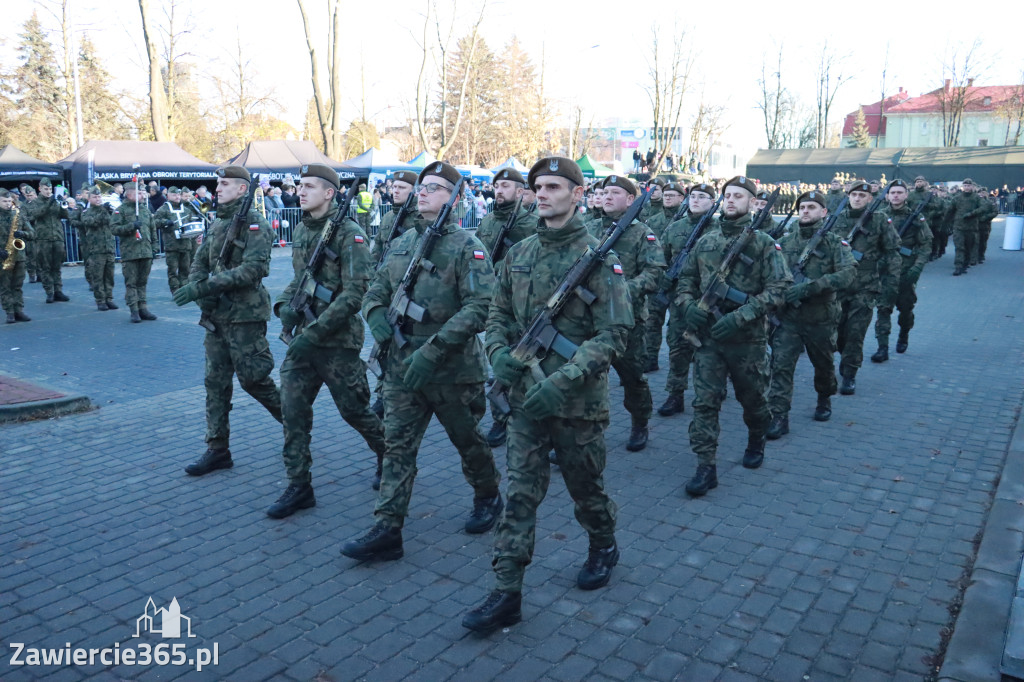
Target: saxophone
(13, 244)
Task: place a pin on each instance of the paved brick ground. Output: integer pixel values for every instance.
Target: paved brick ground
(13, 392)
(837, 560)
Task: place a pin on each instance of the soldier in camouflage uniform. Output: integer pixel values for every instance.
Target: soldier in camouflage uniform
(567, 410)
(876, 248)
(326, 350)
(139, 246)
(733, 347)
(75, 210)
(964, 211)
(96, 220)
(915, 248)
(672, 197)
(809, 317)
(27, 196)
(680, 351)
(508, 186)
(12, 279)
(48, 249)
(235, 308)
(655, 204)
(991, 207)
(170, 218)
(835, 194)
(642, 260)
(592, 221)
(440, 370)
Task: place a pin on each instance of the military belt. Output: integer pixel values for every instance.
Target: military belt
(904, 251)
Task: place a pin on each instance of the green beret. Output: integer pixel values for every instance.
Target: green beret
(967, 181)
(408, 177)
(898, 183)
(324, 172)
(673, 187)
(510, 174)
(173, 190)
(659, 181)
(442, 170)
(861, 187)
(762, 195)
(744, 182)
(816, 197)
(621, 181)
(558, 165)
(706, 188)
(45, 182)
(236, 172)
(920, 177)
(4, 193)
(95, 190)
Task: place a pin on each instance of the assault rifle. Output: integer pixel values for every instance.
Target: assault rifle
(865, 217)
(402, 306)
(904, 251)
(403, 213)
(812, 246)
(239, 222)
(676, 266)
(309, 288)
(778, 230)
(683, 208)
(718, 289)
(502, 242)
(541, 336)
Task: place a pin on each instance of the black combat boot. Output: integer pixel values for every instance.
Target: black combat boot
(956, 273)
(19, 316)
(753, 456)
(212, 459)
(145, 314)
(497, 435)
(778, 428)
(59, 296)
(881, 355)
(10, 318)
(637, 436)
(849, 385)
(297, 496)
(598, 568)
(383, 542)
(902, 342)
(823, 411)
(498, 610)
(135, 315)
(704, 480)
(49, 298)
(674, 404)
(111, 304)
(486, 512)
(101, 305)
(652, 365)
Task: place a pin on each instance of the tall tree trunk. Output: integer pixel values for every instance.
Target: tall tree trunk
(157, 99)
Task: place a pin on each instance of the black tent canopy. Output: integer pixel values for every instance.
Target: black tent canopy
(17, 166)
(112, 160)
(273, 159)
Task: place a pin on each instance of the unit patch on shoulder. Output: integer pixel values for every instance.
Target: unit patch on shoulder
(479, 255)
(254, 227)
(359, 239)
(651, 238)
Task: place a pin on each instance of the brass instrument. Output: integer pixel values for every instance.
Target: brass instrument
(259, 202)
(13, 243)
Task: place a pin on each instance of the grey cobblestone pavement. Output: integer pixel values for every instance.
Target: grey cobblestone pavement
(839, 559)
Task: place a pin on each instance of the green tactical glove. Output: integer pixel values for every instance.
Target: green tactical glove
(799, 292)
(381, 329)
(725, 327)
(695, 317)
(190, 292)
(506, 368)
(290, 317)
(421, 366)
(543, 400)
(912, 275)
(301, 345)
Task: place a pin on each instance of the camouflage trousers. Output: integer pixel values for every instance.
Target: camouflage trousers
(630, 368)
(136, 277)
(99, 270)
(940, 238)
(906, 298)
(458, 408)
(853, 328)
(237, 349)
(788, 342)
(302, 375)
(30, 258)
(83, 255)
(580, 447)
(984, 232)
(746, 364)
(656, 314)
(11, 284)
(178, 265)
(966, 244)
(680, 353)
(49, 257)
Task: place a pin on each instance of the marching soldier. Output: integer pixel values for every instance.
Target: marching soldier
(595, 217)
(642, 262)
(809, 317)
(139, 246)
(27, 196)
(733, 347)
(12, 279)
(235, 308)
(915, 248)
(96, 220)
(170, 219)
(655, 204)
(325, 350)
(568, 410)
(965, 210)
(991, 206)
(439, 371)
(876, 282)
(48, 241)
(672, 197)
(680, 351)
(836, 193)
(761, 200)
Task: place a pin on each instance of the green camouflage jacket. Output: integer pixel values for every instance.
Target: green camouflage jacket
(137, 243)
(95, 221)
(642, 260)
(916, 242)
(964, 211)
(46, 215)
(384, 232)
(167, 221)
(525, 224)
(674, 239)
(831, 265)
(24, 225)
(879, 265)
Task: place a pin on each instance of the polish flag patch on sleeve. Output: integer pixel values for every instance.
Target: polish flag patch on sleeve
(777, 247)
(845, 243)
(254, 227)
(651, 238)
(616, 268)
(359, 239)
(479, 255)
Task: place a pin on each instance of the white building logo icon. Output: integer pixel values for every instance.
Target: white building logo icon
(170, 621)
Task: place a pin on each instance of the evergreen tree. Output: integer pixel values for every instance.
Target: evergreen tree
(861, 135)
(101, 119)
(37, 92)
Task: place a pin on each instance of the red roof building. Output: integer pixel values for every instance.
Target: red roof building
(873, 115)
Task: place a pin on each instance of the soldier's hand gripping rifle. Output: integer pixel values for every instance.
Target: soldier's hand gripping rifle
(403, 213)
(402, 306)
(239, 222)
(904, 251)
(541, 336)
(309, 288)
(812, 247)
(865, 218)
(718, 289)
(676, 266)
(502, 243)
